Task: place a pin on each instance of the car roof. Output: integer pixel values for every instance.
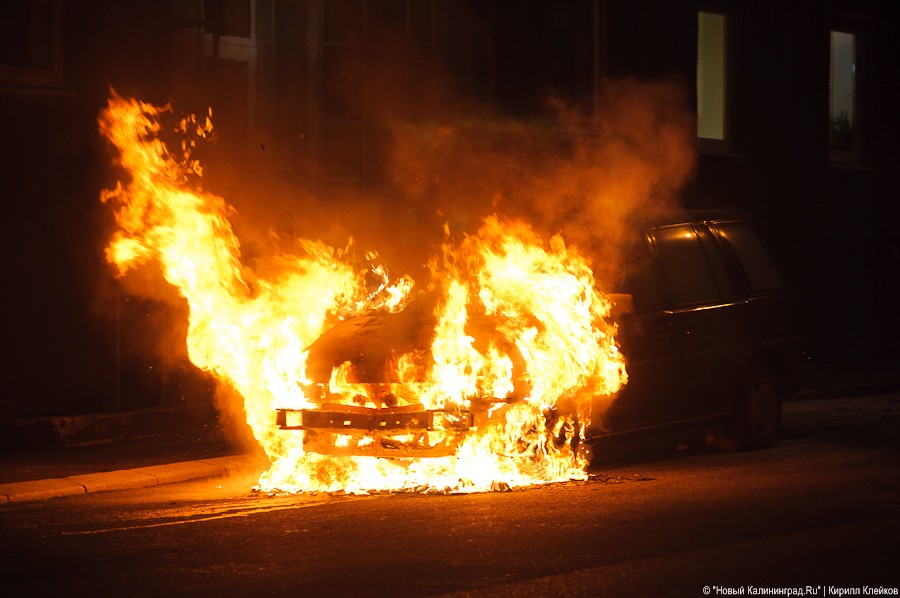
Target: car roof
(692, 216)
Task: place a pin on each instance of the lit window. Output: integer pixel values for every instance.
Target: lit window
(711, 75)
(842, 92)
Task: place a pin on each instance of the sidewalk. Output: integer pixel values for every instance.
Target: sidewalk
(56, 457)
(852, 376)
(46, 458)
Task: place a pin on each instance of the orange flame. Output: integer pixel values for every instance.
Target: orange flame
(550, 353)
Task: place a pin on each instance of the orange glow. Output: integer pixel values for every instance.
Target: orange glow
(531, 381)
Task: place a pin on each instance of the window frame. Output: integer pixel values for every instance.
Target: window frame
(239, 50)
(708, 145)
(362, 38)
(854, 155)
(19, 78)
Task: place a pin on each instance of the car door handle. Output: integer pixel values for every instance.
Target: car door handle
(664, 327)
(686, 327)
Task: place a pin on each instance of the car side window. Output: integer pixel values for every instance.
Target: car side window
(686, 269)
(755, 260)
(724, 281)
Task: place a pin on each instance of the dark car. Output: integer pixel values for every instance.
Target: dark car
(707, 327)
(709, 331)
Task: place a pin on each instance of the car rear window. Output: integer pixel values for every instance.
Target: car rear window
(758, 266)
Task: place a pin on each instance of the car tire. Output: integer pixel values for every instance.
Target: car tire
(756, 417)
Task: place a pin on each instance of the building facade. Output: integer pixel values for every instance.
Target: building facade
(796, 124)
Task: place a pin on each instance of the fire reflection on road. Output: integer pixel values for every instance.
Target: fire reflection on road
(209, 511)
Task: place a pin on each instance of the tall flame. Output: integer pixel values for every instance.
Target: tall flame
(551, 351)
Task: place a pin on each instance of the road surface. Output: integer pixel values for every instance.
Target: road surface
(818, 514)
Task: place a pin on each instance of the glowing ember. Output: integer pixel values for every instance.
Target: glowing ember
(516, 339)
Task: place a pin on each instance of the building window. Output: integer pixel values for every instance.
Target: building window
(367, 51)
(230, 52)
(712, 78)
(842, 94)
(231, 18)
(31, 43)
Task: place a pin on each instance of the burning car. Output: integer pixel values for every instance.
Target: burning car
(506, 348)
(386, 416)
(496, 371)
(490, 370)
(706, 325)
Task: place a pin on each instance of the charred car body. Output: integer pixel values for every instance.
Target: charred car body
(387, 417)
(706, 325)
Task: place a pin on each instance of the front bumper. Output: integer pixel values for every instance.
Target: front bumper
(400, 431)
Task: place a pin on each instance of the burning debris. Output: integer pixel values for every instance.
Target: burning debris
(480, 378)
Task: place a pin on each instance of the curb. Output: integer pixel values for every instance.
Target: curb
(124, 479)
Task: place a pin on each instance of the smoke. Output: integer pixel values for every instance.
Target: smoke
(593, 176)
(414, 118)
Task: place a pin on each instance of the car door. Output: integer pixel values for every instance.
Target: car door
(650, 348)
(707, 317)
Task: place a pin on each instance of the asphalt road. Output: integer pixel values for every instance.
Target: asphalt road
(819, 514)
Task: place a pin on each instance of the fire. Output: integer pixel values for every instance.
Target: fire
(529, 381)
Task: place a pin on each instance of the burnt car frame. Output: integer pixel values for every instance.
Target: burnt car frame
(370, 344)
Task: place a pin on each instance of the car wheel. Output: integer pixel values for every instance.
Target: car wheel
(756, 417)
